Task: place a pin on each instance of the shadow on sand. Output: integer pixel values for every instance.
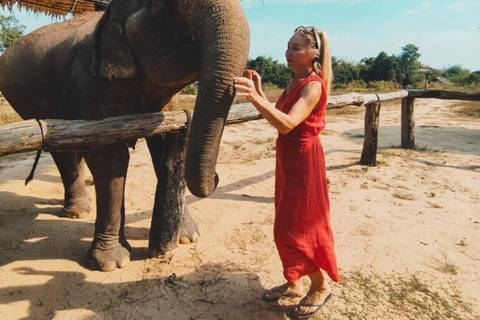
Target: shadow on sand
(212, 291)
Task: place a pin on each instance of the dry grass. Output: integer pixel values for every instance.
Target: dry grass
(187, 101)
(344, 111)
(272, 96)
(8, 115)
(397, 297)
(468, 108)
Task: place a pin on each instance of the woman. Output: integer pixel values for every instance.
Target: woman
(302, 230)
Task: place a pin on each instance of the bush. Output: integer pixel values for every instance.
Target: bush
(190, 89)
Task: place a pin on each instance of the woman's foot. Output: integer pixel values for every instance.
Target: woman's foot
(288, 289)
(315, 298)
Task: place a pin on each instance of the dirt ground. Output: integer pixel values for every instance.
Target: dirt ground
(407, 232)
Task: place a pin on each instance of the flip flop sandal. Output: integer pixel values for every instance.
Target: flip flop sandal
(311, 314)
(266, 297)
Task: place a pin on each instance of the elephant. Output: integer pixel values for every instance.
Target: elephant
(133, 58)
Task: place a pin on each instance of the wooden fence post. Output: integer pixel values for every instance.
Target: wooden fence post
(408, 123)
(370, 141)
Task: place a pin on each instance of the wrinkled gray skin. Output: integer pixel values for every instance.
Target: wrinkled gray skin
(133, 59)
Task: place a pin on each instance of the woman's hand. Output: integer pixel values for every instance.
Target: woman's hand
(250, 84)
(256, 78)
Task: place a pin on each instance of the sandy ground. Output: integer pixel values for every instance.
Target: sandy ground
(407, 232)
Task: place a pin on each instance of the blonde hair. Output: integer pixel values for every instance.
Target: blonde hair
(322, 64)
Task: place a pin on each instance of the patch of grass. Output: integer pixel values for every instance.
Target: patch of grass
(397, 297)
(467, 108)
(271, 92)
(186, 101)
(8, 115)
(417, 298)
(345, 111)
(363, 87)
(383, 157)
(445, 266)
(387, 154)
(448, 268)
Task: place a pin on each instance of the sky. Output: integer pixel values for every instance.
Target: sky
(447, 32)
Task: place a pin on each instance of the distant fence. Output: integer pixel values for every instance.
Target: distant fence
(408, 106)
(77, 135)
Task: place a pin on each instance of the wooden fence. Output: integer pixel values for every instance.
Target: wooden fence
(77, 135)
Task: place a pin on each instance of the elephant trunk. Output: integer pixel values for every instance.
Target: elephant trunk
(221, 31)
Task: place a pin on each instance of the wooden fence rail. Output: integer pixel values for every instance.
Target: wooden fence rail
(76, 135)
(408, 107)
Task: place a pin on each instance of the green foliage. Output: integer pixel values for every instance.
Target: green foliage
(474, 78)
(452, 71)
(379, 73)
(408, 64)
(462, 77)
(344, 71)
(383, 67)
(401, 69)
(10, 31)
(271, 71)
(190, 89)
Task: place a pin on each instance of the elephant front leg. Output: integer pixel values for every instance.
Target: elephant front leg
(109, 248)
(170, 217)
(76, 197)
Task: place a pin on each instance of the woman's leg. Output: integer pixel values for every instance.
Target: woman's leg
(318, 293)
(287, 289)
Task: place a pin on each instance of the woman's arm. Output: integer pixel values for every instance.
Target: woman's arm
(283, 122)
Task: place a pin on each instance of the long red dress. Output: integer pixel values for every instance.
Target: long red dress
(302, 231)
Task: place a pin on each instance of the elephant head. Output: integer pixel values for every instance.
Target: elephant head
(173, 43)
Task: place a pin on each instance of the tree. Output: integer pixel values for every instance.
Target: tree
(10, 31)
(461, 76)
(384, 68)
(474, 78)
(365, 69)
(408, 64)
(271, 71)
(344, 72)
(453, 71)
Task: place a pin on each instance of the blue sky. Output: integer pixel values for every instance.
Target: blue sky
(447, 32)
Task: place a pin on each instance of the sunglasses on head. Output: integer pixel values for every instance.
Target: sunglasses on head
(310, 30)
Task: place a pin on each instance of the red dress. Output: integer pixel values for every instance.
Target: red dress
(302, 231)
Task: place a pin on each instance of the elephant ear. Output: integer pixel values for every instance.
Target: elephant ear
(112, 57)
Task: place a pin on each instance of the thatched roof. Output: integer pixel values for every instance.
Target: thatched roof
(58, 7)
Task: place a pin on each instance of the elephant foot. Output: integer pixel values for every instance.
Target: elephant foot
(74, 214)
(189, 232)
(108, 259)
(77, 209)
